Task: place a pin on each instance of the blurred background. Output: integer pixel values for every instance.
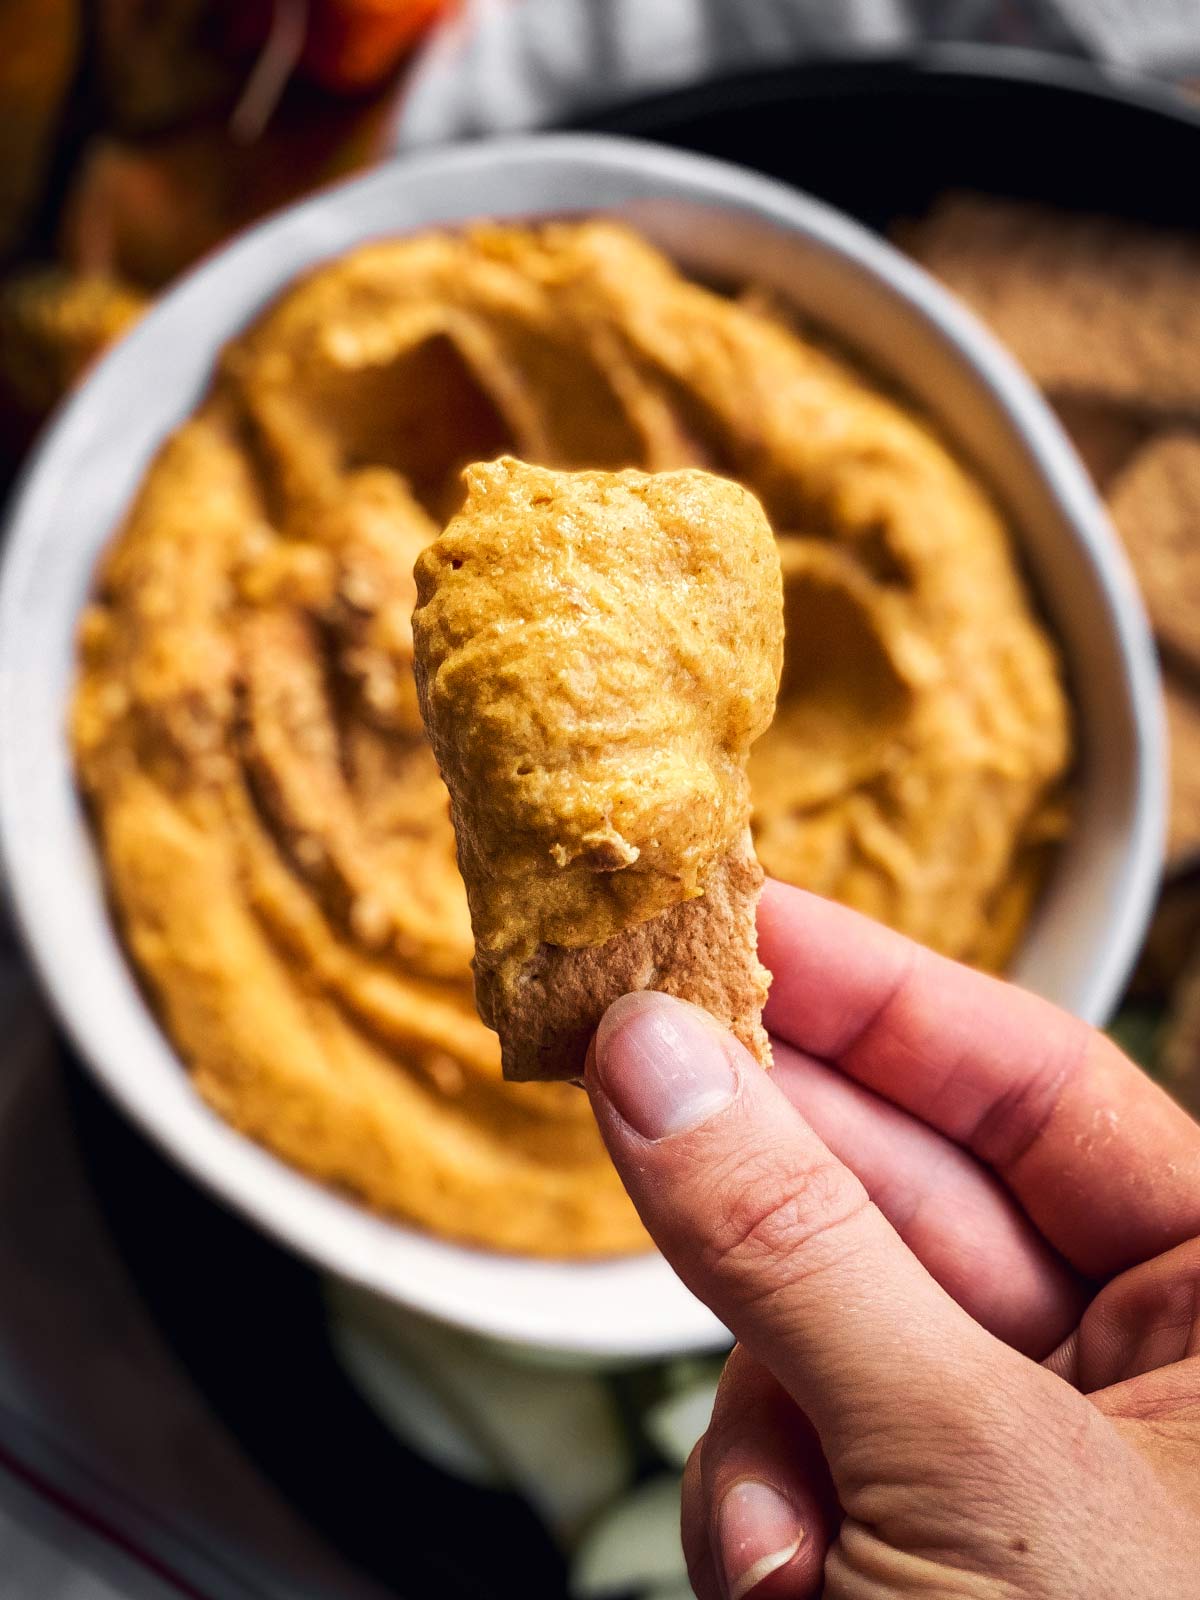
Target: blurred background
(183, 1408)
(139, 134)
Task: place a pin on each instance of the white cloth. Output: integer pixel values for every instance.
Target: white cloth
(1151, 35)
(501, 66)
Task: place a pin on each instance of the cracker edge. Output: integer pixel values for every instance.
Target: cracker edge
(703, 950)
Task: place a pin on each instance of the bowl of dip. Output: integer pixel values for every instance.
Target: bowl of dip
(238, 826)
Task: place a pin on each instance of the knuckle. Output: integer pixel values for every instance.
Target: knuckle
(1018, 1118)
(768, 1227)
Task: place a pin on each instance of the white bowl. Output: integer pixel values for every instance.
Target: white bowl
(718, 221)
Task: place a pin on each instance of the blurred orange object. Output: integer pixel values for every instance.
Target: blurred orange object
(159, 63)
(52, 326)
(39, 45)
(144, 212)
(354, 44)
(346, 46)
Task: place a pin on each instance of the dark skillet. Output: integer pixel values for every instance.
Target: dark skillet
(883, 137)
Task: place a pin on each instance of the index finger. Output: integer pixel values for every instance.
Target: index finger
(1105, 1163)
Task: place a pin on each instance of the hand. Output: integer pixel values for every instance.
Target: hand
(957, 1236)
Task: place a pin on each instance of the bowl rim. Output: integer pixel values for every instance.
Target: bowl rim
(349, 1244)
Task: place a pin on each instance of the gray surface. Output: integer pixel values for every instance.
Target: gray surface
(47, 1552)
(92, 1400)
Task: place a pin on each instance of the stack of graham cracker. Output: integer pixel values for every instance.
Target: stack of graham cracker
(1105, 316)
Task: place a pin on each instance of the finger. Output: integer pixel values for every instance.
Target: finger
(693, 1528)
(952, 1213)
(1103, 1161)
(1146, 1319)
(773, 1233)
(768, 1499)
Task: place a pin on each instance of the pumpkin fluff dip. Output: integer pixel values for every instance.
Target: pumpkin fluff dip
(595, 654)
(274, 831)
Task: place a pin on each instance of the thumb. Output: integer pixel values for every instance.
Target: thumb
(773, 1233)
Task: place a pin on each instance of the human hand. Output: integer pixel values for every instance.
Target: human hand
(957, 1236)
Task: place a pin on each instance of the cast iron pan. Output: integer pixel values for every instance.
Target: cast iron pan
(883, 138)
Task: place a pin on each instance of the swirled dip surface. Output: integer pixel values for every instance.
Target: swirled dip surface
(275, 835)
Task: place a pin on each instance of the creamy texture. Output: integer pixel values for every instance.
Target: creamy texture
(275, 835)
(599, 652)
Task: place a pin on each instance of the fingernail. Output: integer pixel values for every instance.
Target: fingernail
(757, 1533)
(663, 1063)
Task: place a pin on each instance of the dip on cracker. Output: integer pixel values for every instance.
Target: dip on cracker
(595, 654)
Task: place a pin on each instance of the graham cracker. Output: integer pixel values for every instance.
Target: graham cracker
(703, 950)
(1106, 436)
(1179, 1056)
(1091, 306)
(1183, 731)
(1155, 503)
